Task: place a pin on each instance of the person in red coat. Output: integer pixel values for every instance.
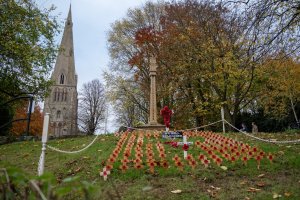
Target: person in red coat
(166, 113)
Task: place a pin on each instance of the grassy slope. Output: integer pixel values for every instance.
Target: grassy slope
(281, 177)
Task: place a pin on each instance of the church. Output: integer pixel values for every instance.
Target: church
(62, 101)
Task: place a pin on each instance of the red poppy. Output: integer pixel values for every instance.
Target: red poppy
(193, 163)
(174, 144)
(270, 157)
(258, 158)
(109, 167)
(165, 164)
(123, 168)
(138, 166)
(179, 164)
(232, 158)
(152, 164)
(206, 162)
(185, 147)
(162, 155)
(111, 159)
(226, 156)
(261, 153)
(175, 158)
(219, 161)
(201, 157)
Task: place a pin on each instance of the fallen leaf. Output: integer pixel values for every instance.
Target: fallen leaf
(247, 198)
(260, 184)
(224, 168)
(281, 152)
(78, 169)
(252, 189)
(287, 194)
(216, 188)
(261, 175)
(147, 188)
(243, 182)
(176, 191)
(276, 196)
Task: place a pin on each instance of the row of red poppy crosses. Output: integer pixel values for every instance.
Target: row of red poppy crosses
(216, 148)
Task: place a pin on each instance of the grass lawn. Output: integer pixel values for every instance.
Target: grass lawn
(279, 179)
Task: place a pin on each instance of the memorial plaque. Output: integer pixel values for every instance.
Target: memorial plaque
(177, 134)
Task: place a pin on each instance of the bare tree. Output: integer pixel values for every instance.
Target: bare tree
(273, 25)
(92, 106)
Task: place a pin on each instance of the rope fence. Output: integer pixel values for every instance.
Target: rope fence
(261, 139)
(72, 152)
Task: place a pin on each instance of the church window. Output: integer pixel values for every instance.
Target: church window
(65, 94)
(56, 93)
(58, 113)
(59, 131)
(62, 79)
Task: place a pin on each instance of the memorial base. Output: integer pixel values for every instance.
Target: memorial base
(157, 127)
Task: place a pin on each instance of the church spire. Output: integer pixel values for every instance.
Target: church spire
(69, 18)
(65, 63)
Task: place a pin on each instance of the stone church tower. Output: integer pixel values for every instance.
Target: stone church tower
(62, 102)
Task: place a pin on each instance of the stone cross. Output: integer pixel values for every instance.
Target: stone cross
(153, 109)
(104, 173)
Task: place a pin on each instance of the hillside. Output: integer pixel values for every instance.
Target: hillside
(234, 180)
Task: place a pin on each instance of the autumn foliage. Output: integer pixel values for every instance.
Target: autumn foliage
(36, 122)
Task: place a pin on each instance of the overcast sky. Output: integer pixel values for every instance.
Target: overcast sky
(91, 23)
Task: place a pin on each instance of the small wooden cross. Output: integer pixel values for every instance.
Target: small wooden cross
(185, 142)
(105, 173)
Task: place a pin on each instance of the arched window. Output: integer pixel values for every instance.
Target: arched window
(65, 94)
(56, 93)
(62, 79)
(59, 129)
(58, 113)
